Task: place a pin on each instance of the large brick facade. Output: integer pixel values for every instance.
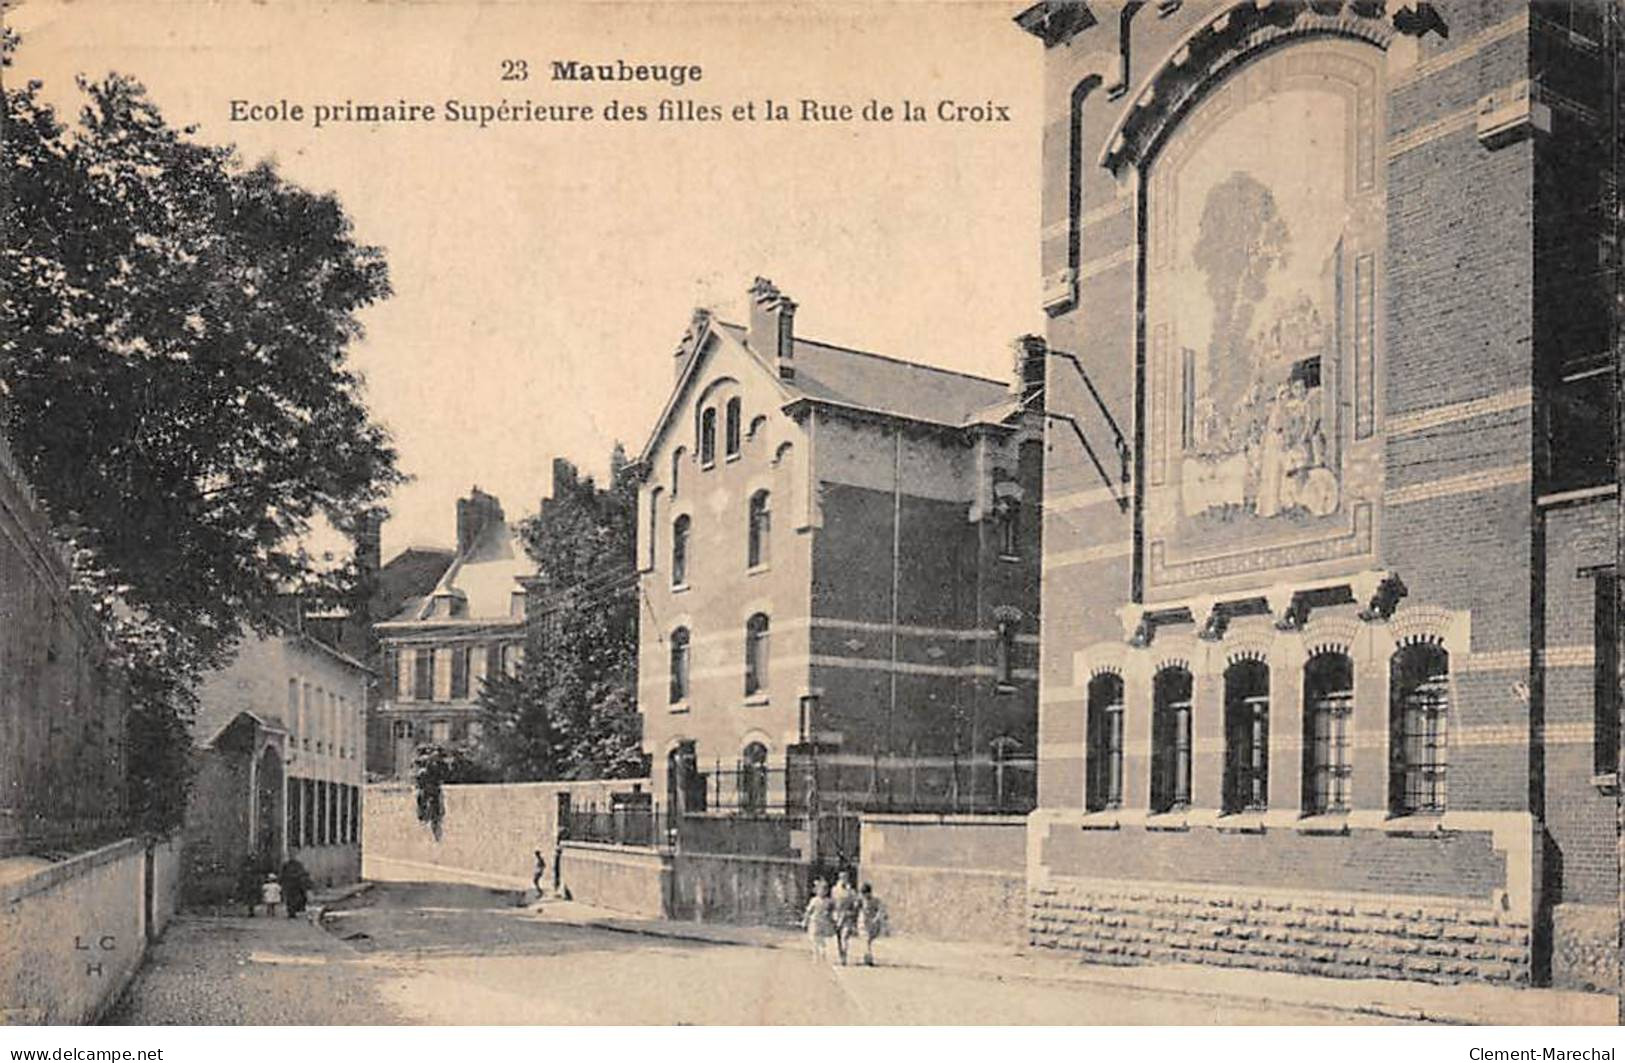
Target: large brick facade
(1319, 656)
(877, 521)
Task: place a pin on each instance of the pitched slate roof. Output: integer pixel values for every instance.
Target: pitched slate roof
(870, 381)
(486, 576)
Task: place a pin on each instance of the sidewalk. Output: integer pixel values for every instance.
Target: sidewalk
(1407, 1001)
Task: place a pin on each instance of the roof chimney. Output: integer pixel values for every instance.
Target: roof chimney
(474, 514)
(1031, 364)
(772, 326)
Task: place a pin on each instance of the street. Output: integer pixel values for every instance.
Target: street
(452, 954)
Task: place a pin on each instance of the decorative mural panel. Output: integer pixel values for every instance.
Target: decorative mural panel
(1262, 299)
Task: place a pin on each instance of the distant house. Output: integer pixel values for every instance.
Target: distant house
(438, 647)
(278, 753)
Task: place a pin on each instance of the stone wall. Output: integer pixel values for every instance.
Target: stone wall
(492, 829)
(73, 933)
(1346, 936)
(953, 878)
(622, 878)
(1585, 947)
(752, 890)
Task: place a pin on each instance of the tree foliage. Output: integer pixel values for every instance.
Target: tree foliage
(173, 379)
(571, 712)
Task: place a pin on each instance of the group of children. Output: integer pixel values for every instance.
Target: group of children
(842, 913)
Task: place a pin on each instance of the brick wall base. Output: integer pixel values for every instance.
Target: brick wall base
(1343, 936)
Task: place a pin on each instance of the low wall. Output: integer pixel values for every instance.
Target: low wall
(73, 933)
(622, 878)
(1585, 947)
(492, 829)
(953, 878)
(1450, 903)
(734, 888)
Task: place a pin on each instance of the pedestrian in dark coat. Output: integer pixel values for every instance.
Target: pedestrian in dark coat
(295, 886)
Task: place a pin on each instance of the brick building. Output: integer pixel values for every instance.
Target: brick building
(438, 647)
(838, 545)
(278, 741)
(1327, 662)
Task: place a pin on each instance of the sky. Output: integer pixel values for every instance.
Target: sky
(543, 272)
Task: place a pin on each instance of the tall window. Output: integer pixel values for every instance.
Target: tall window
(1010, 531)
(1328, 711)
(708, 437)
(1605, 673)
(761, 525)
(756, 653)
(1004, 654)
(651, 546)
(1171, 740)
(309, 834)
(1246, 736)
(679, 551)
(423, 675)
(677, 457)
(753, 779)
(493, 661)
(731, 428)
(1418, 719)
(296, 815)
(459, 671)
(1105, 743)
(679, 664)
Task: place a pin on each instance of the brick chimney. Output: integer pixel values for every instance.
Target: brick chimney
(474, 514)
(1031, 362)
(772, 326)
(369, 543)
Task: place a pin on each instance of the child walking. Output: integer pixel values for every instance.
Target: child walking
(819, 918)
(271, 894)
(871, 921)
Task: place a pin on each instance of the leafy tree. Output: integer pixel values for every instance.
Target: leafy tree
(173, 335)
(571, 712)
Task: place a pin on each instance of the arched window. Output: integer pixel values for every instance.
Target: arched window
(756, 654)
(1328, 725)
(679, 551)
(1171, 740)
(731, 427)
(1004, 654)
(678, 457)
(679, 665)
(1105, 743)
(1419, 717)
(753, 779)
(761, 525)
(1246, 736)
(708, 437)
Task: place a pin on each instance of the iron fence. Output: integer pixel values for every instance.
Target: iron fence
(643, 825)
(854, 784)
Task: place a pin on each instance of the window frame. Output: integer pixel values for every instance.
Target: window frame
(1419, 729)
(1171, 752)
(1328, 783)
(1104, 723)
(681, 527)
(678, 665)
(708, 437)
(758, 633)
(759, 530)
(732, 428)
(1246, 737)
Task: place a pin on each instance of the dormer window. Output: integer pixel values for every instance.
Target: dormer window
(708, 437)
(731, 428)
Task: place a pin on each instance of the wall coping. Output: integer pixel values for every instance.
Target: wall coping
(946, 819)
(73, 867)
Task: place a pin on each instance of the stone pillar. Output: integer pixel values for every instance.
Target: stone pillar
(1137, 730)
(1286, 723)
(1369, 786)
(1207, 736)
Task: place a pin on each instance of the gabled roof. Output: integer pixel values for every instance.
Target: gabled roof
(847, 377)
(485, 576)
